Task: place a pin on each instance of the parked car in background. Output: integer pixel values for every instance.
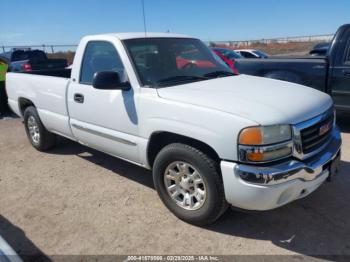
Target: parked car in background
(320, 49)
(228, 56)
(29, 60)
(251, 53)
(330, 74)
(212, 138)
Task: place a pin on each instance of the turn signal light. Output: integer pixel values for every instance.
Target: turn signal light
(255, 156)
(251, 136)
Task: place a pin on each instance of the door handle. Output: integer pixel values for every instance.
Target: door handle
(79, 98)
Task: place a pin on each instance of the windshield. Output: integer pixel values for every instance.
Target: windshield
(260, 54)
(230, 54)
(162, 62)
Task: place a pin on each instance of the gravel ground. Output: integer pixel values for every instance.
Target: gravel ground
(75, 200)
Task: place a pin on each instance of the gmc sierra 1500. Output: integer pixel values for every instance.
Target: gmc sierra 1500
(167, 103)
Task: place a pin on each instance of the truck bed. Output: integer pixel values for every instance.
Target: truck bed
(47, 90)
(64, 72)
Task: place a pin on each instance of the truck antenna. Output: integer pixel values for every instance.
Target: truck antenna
(144, 17)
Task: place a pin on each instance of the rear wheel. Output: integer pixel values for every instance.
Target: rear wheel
(37, 134)
(189, 184)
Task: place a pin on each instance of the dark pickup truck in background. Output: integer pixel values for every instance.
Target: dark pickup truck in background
(329, 73)
(31, 60)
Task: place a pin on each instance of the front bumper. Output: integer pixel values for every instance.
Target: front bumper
(281, 183)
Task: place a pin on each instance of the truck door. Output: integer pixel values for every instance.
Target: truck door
(340, 74)
(103, 119)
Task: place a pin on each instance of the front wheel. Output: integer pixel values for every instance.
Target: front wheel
(189, 184)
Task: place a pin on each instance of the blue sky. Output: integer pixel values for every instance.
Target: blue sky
(26, 22)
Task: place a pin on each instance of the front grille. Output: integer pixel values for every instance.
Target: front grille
(315, 136)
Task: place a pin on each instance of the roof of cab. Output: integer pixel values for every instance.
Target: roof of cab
(135, 35)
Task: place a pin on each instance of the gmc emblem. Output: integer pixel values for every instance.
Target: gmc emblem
(325, 128)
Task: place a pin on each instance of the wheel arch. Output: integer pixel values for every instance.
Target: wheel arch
(23, 104)
(160, 139)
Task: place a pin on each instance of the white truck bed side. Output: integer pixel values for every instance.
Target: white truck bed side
(50, 100)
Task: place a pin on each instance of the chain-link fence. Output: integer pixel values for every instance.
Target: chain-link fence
(271, 45)
(47, 48)
(280, 40)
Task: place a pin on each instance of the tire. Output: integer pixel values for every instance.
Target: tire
(210, 207)
(44, 140)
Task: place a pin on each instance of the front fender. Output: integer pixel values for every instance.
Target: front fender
(217, 129)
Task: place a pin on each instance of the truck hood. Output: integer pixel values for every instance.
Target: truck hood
(262, 100)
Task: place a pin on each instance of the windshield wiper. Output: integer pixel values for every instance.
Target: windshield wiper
(180, 79)
(219, 73)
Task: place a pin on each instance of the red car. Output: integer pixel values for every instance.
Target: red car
(228, 56)
(182, 63)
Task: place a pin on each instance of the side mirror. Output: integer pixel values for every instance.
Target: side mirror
(109, 80)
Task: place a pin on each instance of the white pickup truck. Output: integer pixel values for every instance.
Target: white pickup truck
(166, 102)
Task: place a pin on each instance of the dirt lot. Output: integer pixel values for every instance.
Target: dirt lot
(75, 200)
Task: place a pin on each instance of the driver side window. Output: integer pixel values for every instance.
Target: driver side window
(247, 54)
(99, 56)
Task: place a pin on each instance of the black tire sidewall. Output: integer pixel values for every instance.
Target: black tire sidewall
(31, 111)
(179, 152)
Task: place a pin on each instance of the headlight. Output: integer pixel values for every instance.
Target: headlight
(264, 135)
(265, 143)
